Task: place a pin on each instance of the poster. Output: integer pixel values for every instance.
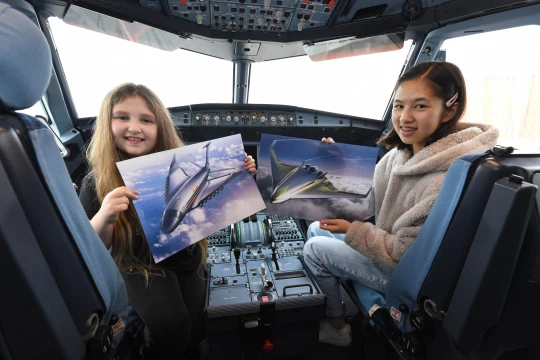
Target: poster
(188, 193)
(312, 180)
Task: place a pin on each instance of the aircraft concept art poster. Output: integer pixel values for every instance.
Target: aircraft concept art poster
(188, 193)
(312, 180)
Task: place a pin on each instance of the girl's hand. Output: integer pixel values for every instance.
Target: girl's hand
(250, 164)
(328, 140)
(115, 202)
(338, 226)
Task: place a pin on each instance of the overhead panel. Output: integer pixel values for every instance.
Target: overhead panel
(255, 15)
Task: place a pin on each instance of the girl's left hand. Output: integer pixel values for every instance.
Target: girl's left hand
(338, 226)
(328, 140)
(250, 164)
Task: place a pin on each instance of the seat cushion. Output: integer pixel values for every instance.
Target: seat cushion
(368, 296)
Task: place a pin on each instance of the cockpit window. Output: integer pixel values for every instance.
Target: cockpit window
(94, 63)
(358, 85)
(503, 82)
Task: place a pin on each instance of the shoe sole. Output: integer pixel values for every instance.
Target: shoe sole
(342, 343)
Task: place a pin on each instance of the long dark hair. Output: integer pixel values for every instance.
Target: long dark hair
(445, 80)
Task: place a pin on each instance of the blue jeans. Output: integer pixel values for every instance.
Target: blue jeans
(330, 259)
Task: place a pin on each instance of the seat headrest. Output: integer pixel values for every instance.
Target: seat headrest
(25, 60)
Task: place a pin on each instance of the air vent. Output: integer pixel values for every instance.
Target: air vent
(246, 49)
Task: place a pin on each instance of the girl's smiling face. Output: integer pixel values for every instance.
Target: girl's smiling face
(134, 126)
(417, 113)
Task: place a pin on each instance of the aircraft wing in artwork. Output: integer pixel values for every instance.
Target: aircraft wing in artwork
(212, 187)
(280, 170)
(326, 190)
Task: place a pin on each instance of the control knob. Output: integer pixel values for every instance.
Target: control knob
(228, 118)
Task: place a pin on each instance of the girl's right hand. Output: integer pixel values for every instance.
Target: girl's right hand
(115, 202)
(328, 140)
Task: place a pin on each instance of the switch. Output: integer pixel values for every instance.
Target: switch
(268, 346)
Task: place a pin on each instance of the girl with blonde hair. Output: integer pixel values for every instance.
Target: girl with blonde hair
(169, 296)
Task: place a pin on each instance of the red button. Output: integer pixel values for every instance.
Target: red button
(265, 299)
(268, 346)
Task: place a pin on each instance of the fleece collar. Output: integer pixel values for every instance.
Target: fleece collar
(468, 139)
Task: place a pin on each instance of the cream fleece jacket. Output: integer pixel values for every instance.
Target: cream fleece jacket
(405, 188)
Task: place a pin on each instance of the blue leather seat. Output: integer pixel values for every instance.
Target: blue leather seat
(481, 223)
(410, 273)
(61, 286)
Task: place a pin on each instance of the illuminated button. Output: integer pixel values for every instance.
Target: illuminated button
(264, 298)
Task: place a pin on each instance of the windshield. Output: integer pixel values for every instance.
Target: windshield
(358, 85)
(95, 63)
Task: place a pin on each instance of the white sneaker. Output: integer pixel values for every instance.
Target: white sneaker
(330, 335)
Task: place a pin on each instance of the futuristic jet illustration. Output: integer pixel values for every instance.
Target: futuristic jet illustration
(184, 193)
(303, 182)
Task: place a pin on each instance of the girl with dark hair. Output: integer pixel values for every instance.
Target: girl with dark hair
(427, 138)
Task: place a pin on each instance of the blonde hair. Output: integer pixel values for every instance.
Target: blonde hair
(103, 154)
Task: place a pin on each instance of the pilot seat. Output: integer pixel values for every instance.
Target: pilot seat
(62, 295)
(469, 286)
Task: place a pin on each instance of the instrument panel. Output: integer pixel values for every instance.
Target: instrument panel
(257, 260)
(201, 122)
(260, 292)
(253, 115)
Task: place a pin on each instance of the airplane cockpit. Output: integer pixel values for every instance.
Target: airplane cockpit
(467, 287)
